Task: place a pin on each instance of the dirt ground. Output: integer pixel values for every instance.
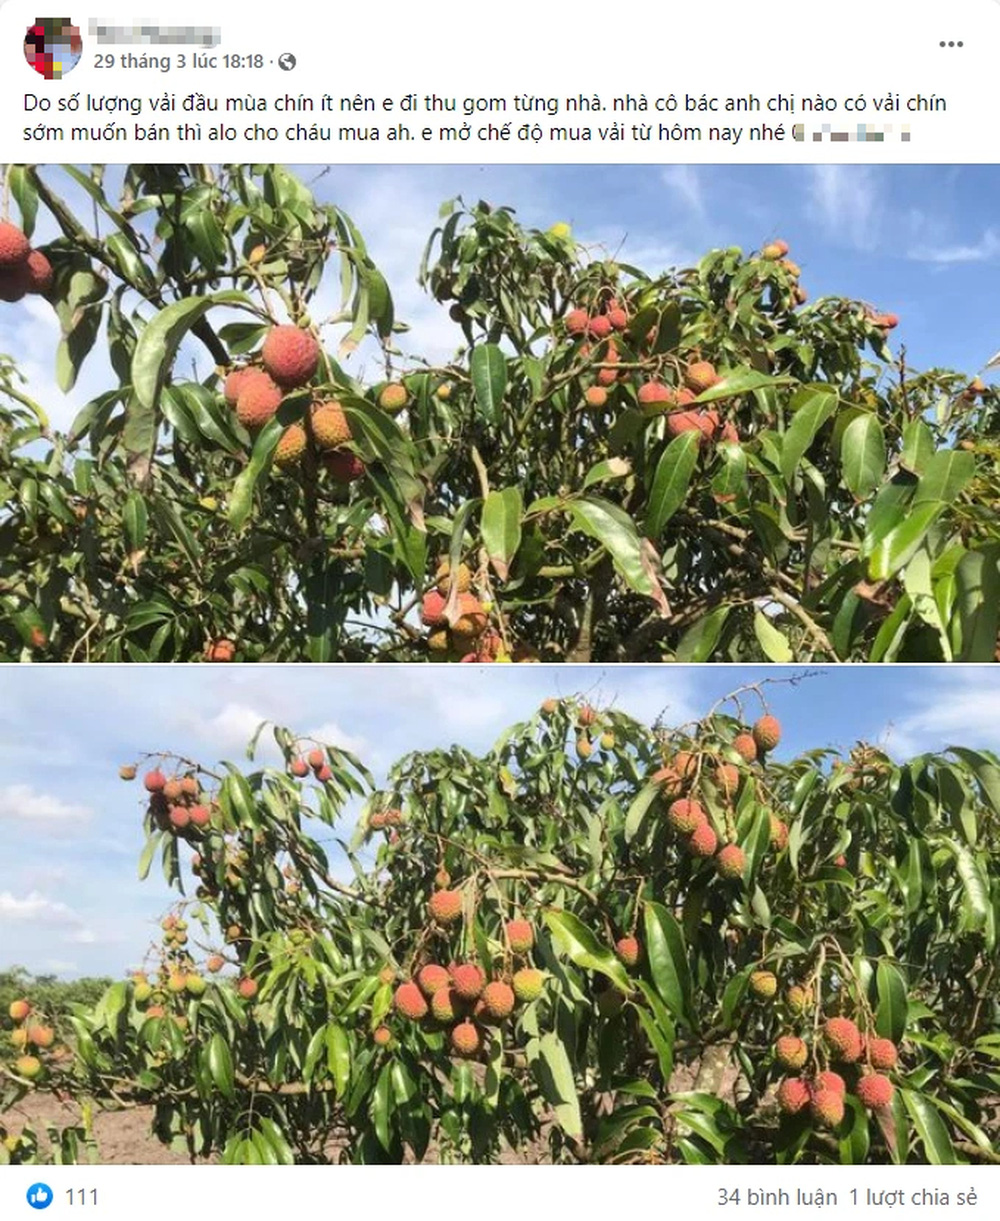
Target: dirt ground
(123, 1137)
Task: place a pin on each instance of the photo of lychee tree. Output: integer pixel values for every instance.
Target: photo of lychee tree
(618, 464)
(598, 942)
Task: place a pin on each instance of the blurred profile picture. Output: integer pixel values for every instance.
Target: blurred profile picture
(53, 46)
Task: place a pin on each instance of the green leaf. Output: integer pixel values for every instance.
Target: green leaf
(671, 481)
(902, 542)
(572, 938)
(812, 409)
(930, 1129)
(975, 883)
(741, 380)
(613, 527)
(22, 187)
(135, 520)
(338, 1057)
(771, 640)
(862, 454)
(501, 527)
(918, 447)
(638, 809)
(558, 1085)
(488, 369)
(978, 603)
(945, 477)
(890, 1017)
(241, 497)
(699, 641)
(220, 1064)
(668, 963)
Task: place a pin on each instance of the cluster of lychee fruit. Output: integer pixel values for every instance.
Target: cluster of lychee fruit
(689, 819)
(776, 252)
(866, 1059)
(22, 269)
(289, 361)
(314, 761)
(31, 1036)
(460, 996)
(469, 637)
(176, 803)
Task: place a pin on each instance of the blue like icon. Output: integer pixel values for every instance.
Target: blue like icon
(40, 1195)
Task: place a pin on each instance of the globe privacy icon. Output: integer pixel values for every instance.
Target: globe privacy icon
(39, 1195)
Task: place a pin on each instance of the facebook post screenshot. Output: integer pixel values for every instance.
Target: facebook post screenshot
(505, 422)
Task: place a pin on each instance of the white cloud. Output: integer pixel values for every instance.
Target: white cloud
(35, 908)
(959, 706)
(684, 182)
(984, 251)
(846, 200)
(21, 803)
(332, 734)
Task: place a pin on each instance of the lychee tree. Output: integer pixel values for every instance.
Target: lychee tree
(599, 941)
(618, 464)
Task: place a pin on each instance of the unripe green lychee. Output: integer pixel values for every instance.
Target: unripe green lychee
(195, 985)
(844, 1039)
(445, 906)
(468, 980)
(290, 355)
(28, 1067)
(703, 841)
(446, 1004)
(731, 862)
(793, 1095)
(882, 1053)
(520, 936)
(498, 1000)
(393, 398)
(528, 984)
(827, 1108)
(767, 733)
(685, 816)
(798, 999)
(410, 1002)
(763, 984)
(875, 1091)
(627, 949)
(330, 427)
(791, 1052)
(465, 1038)
(432, 978)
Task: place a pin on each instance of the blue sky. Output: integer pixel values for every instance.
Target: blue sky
(70, 900)
(920, 241)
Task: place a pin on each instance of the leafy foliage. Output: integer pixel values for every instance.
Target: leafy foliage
(839, 504)
(275, 1025)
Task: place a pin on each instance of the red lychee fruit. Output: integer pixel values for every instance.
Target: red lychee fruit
(393, 398)
(299, 767)
(774, 250)
(729, 432)
(410, 1002)
(627, 949)
(685, 816)
(247, 988)
(19, 1010)
(668, 780)
(498, 1000)
(37, 273)
(234, 383)
(599, 327)
(703, 422)
(745, 747)
(828, 1080)
(596, 397)
(654, 397)
(703, 841)
(790, 1051)
(763, 984)
(875, 1091)
(882, 1053)
(700, 376)
(844, 1039)
(330, 426)
(685, 764)
(316, 759)
(290, 355)
(727, 778)
(432, 609)
(528, 984)
(179, 817)
(465, 1038)
(793, 1095)
(779, 834)
(468, 980)
(154, 781)
(342, 466)
(576, 321)
(520, 936)
(215, 964)
(200, 816)
(827, 1107)
(259, 399)
(220, 650)
(767, 733)
(172, 790)
(731, 862)
(14, 246)
(381, 1036)
(432, 978)
(291, 446)
(618, 318)
(445, 906)
(446, 1004)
